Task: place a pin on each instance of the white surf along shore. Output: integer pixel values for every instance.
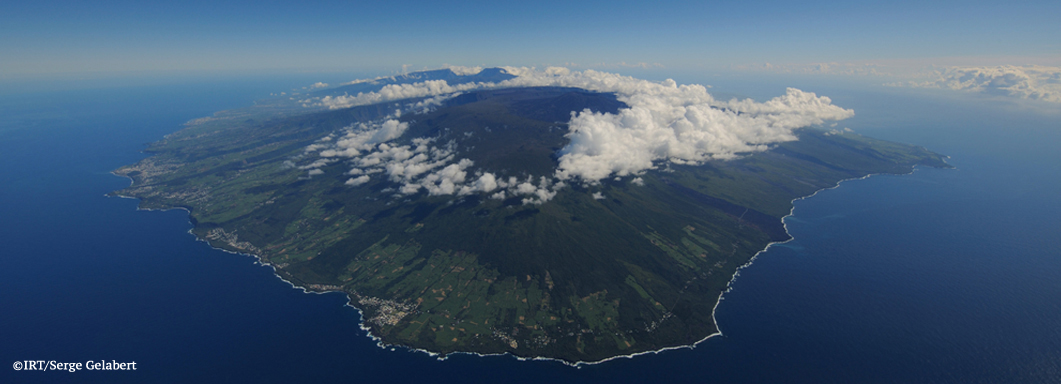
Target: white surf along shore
(380, 343)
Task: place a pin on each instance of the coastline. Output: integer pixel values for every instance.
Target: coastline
(578, 364)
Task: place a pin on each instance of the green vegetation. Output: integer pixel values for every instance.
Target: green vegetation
(577, 278)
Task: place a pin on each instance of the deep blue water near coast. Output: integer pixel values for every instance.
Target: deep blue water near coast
(948, 276)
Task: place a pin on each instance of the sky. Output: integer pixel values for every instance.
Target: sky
(54, 38)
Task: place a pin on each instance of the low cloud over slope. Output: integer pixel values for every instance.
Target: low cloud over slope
(664, 122)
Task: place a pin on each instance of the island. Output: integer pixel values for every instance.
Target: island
(445, 223)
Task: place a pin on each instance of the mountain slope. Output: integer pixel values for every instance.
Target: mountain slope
(623, 266)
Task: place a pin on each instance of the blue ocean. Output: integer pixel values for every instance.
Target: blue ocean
(939, 276)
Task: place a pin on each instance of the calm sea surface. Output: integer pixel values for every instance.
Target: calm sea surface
(941, 276)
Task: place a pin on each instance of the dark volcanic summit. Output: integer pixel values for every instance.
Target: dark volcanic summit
(512, 131)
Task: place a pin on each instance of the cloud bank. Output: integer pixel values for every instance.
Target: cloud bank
(824, 68)
(392, 92)
(419, 166)
(1027, 82)
(664, 122)
(465, 71)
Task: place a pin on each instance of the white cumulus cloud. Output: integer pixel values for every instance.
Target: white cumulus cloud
(1026, 82)
(664, 122)
(667, 121)
(361, 137)
(355, 181)
(465, 71)
(392, 92)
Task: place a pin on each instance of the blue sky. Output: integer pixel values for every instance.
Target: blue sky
(56, 37)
